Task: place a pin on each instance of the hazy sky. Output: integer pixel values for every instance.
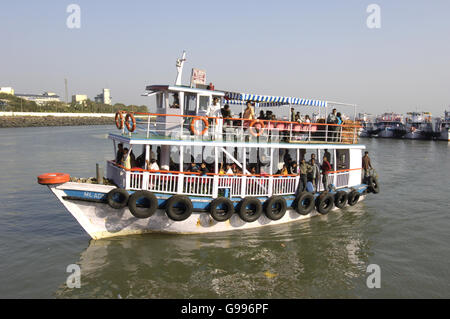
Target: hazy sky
(311, 49)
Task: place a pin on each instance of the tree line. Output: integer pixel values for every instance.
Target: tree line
(11, 103)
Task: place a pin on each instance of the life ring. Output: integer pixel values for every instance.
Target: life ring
(221, 209)
(325, 203)
(143, 212)
(250, 209)
(117, 198)
(119, 120)
(53, 178)
(304, 203)
(130, 127)
(205, 122)
(179, 208)
(275, 207)
(251, 128)
(353, 197)
(340, 199)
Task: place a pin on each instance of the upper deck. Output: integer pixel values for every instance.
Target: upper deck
(171, 129)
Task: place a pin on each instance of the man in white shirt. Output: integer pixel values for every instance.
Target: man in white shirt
(153, 166)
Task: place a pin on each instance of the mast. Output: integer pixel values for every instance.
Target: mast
(180, 64)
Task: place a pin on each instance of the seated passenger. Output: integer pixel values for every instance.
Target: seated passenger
(193, 168)
(229, 170)
(203, 169)
(153, 165)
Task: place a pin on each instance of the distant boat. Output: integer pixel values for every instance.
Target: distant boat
(443, 127)
(389, 125)
(367, 125)
(419, 125)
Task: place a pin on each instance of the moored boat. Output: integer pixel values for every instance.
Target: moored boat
(419, 125)
(389, 125)
(164, 190)
(443, 127)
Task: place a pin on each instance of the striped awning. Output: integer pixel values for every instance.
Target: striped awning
(267, 100)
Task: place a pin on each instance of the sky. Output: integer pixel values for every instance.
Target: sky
(308, 49)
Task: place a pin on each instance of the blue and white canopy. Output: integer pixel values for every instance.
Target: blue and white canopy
(267, 100)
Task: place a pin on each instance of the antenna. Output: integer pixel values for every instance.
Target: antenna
(180, 64)
(66, 91)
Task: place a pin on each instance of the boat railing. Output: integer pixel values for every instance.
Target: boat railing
(214, 185)
(203, 128)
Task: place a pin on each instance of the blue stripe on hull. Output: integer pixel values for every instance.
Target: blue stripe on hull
(199, 203)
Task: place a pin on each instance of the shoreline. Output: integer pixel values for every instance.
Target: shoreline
(45, 121)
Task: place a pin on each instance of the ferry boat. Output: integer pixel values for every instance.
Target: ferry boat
(419, 125)
(177, 197)
(443, 127)
(367, 125)
(389, 125)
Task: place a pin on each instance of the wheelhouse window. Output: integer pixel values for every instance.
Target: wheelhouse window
(343, 159)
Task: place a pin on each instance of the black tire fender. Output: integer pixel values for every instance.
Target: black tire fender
(374, 187)
(179, 208)
(340, 199)
(143, 212)
(250, 215)
(353, 197)
(117, 193)
(304, 203)
(275, 207)
(324, 203)
(218, 214)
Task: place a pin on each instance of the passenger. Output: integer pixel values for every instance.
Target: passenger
(193, 168)
(292, 114)
(132, 159)
(126, 159)
(331, 129)
(226, 114)
(307, 119)
(293, 168)
(328, 155)
(326, 168)
(304, 169)
(176, 102)
(284, 170)
(214, 109)
(153, 165)
(203, 169)
(313, 157)
(249, 113)
(119, 154)
(297, 118)
(366, 165)
(314, 174)
(261, 116)
(338, 129)
(229, 170)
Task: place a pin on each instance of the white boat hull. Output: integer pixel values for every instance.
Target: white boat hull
(444, 135)
(99, 220)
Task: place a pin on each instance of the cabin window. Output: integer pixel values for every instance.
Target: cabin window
(174, 101)
(190, 103)
(343, 159)
(203, 103)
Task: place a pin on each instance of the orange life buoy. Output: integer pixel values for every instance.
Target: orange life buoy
(132, 127)
(119, 120)
(251, 128)
(53, 178)
(204, 120)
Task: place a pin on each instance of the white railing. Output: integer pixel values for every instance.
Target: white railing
(237, 186)
(285, 185)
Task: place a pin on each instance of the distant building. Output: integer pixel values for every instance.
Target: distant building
(7, 90)
(104, 97)
(40, 99)
(79, 98)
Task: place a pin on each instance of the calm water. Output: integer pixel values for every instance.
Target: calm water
(405, 230)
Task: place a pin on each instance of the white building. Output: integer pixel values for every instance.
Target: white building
(7, 90)
(40, 99)
(104, 97)
(79, 98)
